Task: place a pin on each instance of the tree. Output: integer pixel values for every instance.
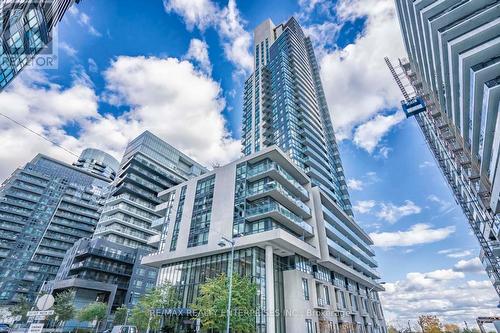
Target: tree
(64, 309)
(157, 298)
(120, 315)
(94, 311)
(211, 304)
(392, 329)
(451, 328)
(429, 324)
(21, 308)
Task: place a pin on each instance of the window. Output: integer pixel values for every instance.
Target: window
(202, 211)
(354, 302)
(327, 295)
(340, 299)
(309, 326)
(305, 288)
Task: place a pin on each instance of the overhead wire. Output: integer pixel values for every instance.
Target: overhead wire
(39, 134)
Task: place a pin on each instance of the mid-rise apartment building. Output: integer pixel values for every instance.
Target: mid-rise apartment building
(454, 68)
(45, 207)
(96, 268)
(284, 238)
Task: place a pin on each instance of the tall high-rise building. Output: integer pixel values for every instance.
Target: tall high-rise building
(284, 205)
(45, 208)
(284, 105)
(26, 28)
(108, 266)
(454, 69)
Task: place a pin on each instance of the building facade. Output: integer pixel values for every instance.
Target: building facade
(96, 267)
(99, 270)
(289, 238)
(98, 162)
(25, 30)
(284, 105)
(45, 208)
(454, 68)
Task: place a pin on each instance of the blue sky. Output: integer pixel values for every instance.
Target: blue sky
(177, 68)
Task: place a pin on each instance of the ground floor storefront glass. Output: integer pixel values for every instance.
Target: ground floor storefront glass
(187, 276)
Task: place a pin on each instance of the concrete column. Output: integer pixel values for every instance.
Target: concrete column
(270, 320)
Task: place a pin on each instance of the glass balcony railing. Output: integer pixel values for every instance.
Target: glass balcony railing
(266, 167)
(273, 185)
(106, 254)
(369, 260)
(102, 267)
(130, 210)
(329, 216)
(353, 258)
(272, 206)
(138, 201)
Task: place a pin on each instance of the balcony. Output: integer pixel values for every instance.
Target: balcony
(355, 261)
(334, 233)
(495, 247)
(158, 223)
(279, 193)
(106, 254)
(338, 283)
(321, 303)
(154, 240)
(277, 172)
(101, 267)
(281, 215)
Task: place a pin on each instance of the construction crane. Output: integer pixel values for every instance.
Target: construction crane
(471, 189)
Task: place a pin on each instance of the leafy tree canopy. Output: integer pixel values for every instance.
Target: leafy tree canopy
(64, 309)
(163, 296)
(211, 304)
(120, 315)
(21, 308)
(93, 311)
(429, 324)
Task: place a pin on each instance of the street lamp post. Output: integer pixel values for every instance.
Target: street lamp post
(222, 243)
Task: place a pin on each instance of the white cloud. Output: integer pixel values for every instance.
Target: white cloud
(68, 49)
(199, 13)
(186, 113)
(425, 164)
(445, 274)
(92, 65)
(417, 234)
(322, 35)
(355, 184)
(364, 207)
(227, 22)
(456, 253)
(392, 213)
(383, 152)
(473, 265)
(357, 82)
(445, 293)
(369, 134)
(444, 206)
(84, 21)
(198, 51)
(236, 41)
